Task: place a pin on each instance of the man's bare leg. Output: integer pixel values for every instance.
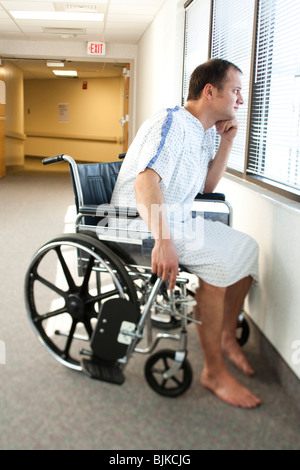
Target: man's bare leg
(215, 376)
(234, 299)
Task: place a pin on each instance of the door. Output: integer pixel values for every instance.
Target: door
(2, 123)
(125, 117)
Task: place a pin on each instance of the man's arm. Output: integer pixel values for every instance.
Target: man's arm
(227, 131)
(152, 209)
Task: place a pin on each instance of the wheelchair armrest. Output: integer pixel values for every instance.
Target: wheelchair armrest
(108, 210)
(211, 196)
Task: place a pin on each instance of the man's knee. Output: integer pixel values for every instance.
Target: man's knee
(209, 293)
(211, 289)
(208, 298)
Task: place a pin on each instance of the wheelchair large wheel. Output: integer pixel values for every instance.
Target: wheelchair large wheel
(161, 362)
(68, 280)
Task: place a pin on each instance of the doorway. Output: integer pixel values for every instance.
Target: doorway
(2, 123)
(94, 123)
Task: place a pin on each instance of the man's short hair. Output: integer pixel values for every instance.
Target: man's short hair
(213, 71)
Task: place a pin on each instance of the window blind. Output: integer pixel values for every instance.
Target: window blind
(196, 40)
(274, 145)
(231, 39)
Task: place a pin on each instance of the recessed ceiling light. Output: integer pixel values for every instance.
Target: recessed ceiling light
(65, 73)
(56, 15)
(55, 64)
(69, 31)
(84, 6)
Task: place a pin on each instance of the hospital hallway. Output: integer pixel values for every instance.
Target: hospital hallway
(45, 406)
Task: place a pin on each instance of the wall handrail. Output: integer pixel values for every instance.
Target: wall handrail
(48, 135)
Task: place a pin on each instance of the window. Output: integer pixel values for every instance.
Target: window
(197, 18)
(262, 37)
(274, 143)
(231, 39)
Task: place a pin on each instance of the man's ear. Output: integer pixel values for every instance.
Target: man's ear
(208, 91)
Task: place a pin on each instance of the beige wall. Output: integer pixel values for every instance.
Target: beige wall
(91, 132)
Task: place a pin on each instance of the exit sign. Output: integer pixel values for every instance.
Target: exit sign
(96, 48)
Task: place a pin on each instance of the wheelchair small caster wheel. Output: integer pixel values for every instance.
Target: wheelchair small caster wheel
(161, 362)
(242, 331)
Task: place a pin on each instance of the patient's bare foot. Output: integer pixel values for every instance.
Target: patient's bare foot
(229, 389)
(233, 351)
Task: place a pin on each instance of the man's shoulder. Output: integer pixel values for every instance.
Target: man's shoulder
(162, 113)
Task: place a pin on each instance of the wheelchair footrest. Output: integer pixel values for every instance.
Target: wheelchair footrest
(104, 372)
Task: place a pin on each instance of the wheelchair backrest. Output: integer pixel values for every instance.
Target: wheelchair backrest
(97, 182)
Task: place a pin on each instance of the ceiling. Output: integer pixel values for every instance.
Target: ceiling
(37, 69)
(124, 22)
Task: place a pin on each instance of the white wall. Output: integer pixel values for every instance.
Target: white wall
(273, 221)
(159, 62)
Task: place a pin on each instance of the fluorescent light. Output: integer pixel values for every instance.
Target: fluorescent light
(55, 64)
(56, 15)
(69, 31)
(65, 73)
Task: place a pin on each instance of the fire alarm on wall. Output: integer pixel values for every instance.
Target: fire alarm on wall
(84, 85)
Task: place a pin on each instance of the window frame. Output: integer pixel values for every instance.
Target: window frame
(261, 181)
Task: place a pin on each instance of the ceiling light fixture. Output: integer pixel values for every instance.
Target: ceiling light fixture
(69, 31)
(55, 64)
(65, 73)
(56, 15)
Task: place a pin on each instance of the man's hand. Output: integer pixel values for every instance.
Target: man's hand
(152, 208)
(165, 261)
(227, 129)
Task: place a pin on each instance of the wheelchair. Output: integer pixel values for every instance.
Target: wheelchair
(91, 297)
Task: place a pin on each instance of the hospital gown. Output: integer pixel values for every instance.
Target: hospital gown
(174, 144)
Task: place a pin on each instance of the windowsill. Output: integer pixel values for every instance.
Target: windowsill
(264, 192)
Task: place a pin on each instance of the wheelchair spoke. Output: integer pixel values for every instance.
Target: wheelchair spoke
(65, 268)
(175, 379)
(88, 328)
(164, 383)
(45, 316)
(104, 295)
(70, 339)
(50, 285)
(165, 361)
(85, 283)
(157, 371)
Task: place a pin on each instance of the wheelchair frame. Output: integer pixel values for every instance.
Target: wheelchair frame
(116, 321)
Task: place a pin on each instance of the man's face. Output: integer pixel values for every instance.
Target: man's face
(228, 100)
